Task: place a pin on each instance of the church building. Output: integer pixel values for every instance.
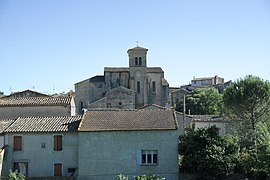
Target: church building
(126, 87)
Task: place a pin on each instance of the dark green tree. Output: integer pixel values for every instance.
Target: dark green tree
(202, 101)
(255, 161)
(247, 101)
(207, 154)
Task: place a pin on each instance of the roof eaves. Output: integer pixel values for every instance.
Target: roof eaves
(110, 130)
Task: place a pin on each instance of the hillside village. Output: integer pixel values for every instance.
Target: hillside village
(120, 122)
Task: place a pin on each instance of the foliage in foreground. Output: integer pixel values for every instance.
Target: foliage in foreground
(207, 154)
(254, 162)
(141, 177)
(148, 177)
(122, 177)
(16, 176)
(210, 156)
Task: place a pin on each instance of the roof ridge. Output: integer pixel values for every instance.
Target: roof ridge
(48, 116)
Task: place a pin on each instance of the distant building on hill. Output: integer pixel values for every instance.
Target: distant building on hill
(207, 81)
(177, 93)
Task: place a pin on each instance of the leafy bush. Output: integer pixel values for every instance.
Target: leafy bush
(141, 177)
(148, 177)
(15, 176)
(122, 177)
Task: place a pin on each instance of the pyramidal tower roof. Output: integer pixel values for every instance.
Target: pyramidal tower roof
(137, 48)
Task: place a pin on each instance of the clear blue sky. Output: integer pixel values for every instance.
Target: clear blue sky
(53, 44)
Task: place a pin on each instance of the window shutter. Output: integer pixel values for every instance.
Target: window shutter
(57, 143)
(139, 157)
(17, 144)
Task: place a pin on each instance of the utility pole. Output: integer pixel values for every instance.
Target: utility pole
(184, 112)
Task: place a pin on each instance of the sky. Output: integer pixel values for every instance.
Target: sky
(49, 45)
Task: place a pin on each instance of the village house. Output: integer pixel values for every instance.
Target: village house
(130, 142)
(98, 145)
(42, 146)
(25, 93)
(205, 121)
(14, 107)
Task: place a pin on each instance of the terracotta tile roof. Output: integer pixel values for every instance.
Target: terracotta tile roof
(5, 123)
(128, 120)
(137, 48)
(45, 124)
(35, 101)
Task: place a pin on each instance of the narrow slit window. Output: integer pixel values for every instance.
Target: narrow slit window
(153, 86)
(138, 87)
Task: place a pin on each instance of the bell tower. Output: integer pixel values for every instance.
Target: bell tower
(138, 74)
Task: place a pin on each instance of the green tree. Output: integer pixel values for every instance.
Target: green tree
(247, 101)
(255, 161)
(207, 154)
(202, 101)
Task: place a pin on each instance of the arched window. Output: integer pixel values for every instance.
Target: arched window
(138, 87)
(140, 61)
(136, 61)
(153, 86)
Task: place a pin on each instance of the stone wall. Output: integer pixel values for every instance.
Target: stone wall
(155, 97)
(119, 97)
(87, 92)
(116, 78)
